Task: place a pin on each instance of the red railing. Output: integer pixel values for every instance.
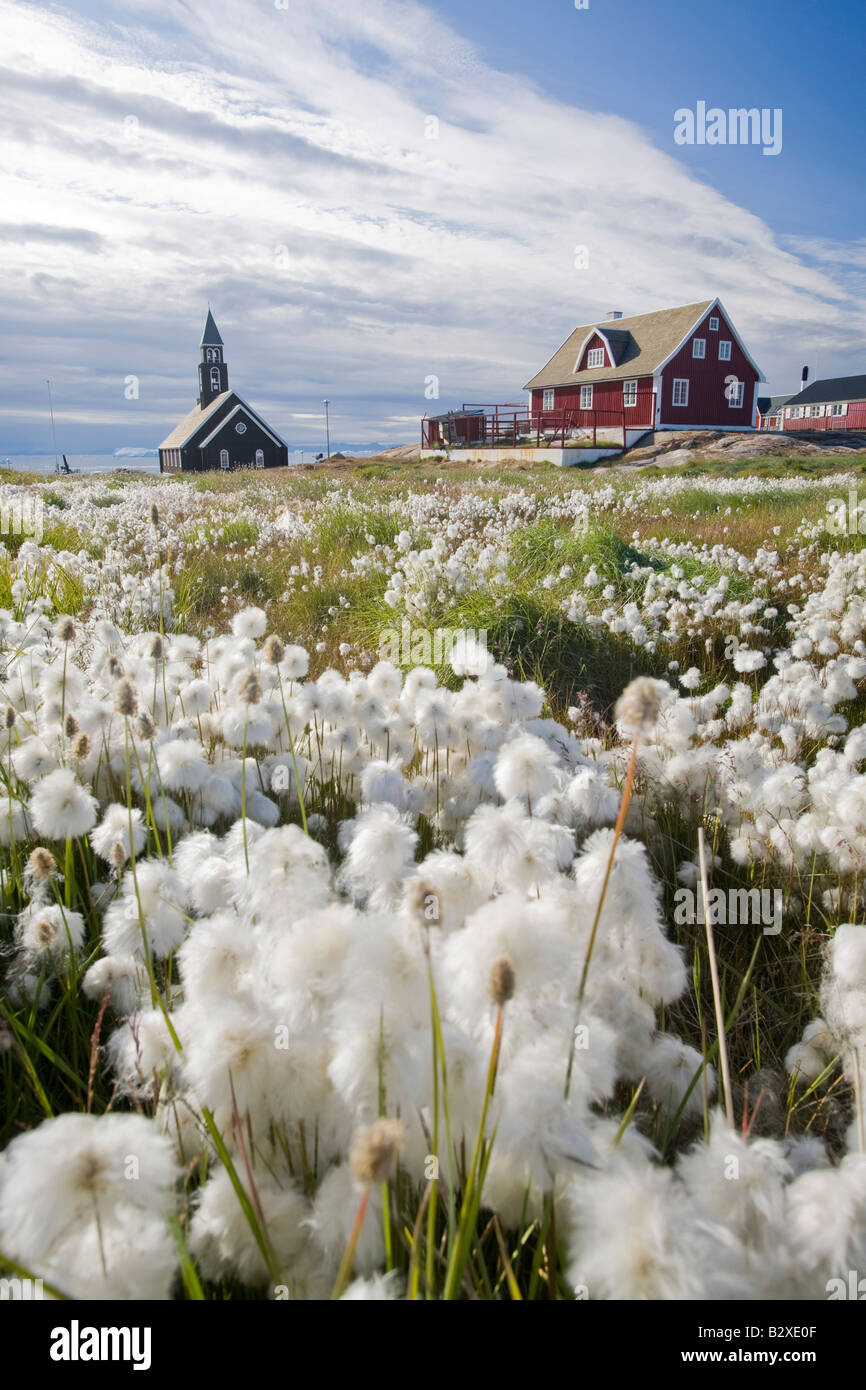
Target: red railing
(512, 426)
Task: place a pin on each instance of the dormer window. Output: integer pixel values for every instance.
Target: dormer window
(595, 357)
(699, 347)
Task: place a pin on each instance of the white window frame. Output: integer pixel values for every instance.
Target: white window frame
(224, 458)
(815, 410)
(794, 412)
(714, 325)
(699, 348)
(839, 408)
(586, 398)
(595, 357)
(680, 387)
(629, 394)
(735, 401)
(724, 349)
(547, 398)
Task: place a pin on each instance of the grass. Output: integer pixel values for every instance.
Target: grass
(767, 984)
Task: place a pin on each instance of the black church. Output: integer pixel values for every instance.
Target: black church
(222, 431)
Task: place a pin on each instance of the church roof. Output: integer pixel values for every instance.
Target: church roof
(217, 414)
(182, 433)
(211, 336)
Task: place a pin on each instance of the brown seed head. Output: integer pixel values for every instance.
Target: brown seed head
(81, 748)
(250, 689)
(157, 648)
(44, 933)
(502, 981)
(146, 726)
(65, 629)
(154, 514)
(374, 1152)
(41, 864)
(424, 903)
(115, 667)
(70, 726)
(10, 716)
(125, 699)
(274, 650)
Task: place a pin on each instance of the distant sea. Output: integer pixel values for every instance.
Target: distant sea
(84, 463)
(104, 463)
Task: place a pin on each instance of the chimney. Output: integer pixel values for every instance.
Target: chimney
(804, 378)
(614, 313)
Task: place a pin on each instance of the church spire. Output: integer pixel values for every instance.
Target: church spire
(211, 335)
(213, 374)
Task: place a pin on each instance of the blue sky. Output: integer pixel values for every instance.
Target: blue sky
(381, 196)
(645, 60)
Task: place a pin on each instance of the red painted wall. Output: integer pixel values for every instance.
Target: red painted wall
(708, 404)
(854, 419)
(606, 403)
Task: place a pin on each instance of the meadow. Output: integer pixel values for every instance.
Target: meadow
(324, 975)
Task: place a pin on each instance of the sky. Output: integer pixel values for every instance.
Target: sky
(383, 201)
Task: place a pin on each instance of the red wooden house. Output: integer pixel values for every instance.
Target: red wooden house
(838, 403)
(682, 368)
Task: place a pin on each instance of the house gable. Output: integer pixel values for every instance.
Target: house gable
(716, 388)
(726, 332)
(240, 408)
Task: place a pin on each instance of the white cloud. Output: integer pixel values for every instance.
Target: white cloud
(276, 162)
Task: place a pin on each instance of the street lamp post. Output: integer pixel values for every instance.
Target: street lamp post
(326, 403)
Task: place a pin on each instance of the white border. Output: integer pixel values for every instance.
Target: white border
(224, 421)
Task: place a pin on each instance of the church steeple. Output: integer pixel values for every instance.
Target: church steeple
(213, 373)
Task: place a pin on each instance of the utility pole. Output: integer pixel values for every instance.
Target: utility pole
(326, 403)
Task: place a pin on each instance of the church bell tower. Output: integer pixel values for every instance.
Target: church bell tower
(213, 374)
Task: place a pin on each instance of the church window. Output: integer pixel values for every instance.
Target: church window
(260, 458)
(224, 458)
